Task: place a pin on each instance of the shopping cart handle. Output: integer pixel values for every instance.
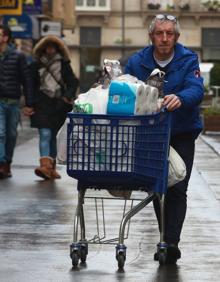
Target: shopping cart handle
(164, 109)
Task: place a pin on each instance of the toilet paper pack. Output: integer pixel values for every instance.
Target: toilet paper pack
(147, 101)
(122, 97)
(126, 98)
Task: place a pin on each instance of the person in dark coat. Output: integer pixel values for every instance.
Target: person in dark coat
(15, 81)
(56, 86)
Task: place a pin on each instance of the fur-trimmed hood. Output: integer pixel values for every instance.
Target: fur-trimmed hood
(39, 48)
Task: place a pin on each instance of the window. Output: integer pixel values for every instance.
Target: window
(210, 44)
(93, 5)
(102, 3)
(167, 4)
(79, 3)
(90, 36)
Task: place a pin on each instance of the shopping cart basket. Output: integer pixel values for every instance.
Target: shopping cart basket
(117, 153)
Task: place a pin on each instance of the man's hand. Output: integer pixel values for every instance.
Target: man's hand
(28, 111)
(171, 102)
(67, 100)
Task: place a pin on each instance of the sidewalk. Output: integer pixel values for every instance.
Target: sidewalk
(37, 222)
(212, 140)
(207, 161)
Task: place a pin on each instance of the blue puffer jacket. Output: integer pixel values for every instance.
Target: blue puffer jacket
(182, 78)
(14, 73)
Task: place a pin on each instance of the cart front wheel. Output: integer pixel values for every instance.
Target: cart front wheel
(75, 259)
(83, 255)
(121, 261)
(162, 258)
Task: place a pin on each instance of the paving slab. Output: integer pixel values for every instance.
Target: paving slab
(36, 225)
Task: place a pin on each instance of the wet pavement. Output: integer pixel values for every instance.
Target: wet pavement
(36, 226)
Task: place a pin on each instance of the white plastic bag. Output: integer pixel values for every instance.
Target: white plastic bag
(156, 79)
(62, 144)
(129, 78)
(177, 168)
(94, 101)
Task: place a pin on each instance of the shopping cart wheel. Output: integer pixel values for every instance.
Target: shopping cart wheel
(162, 258)
(121, 261)
(75, 259)
(83, 254)
(121, 255)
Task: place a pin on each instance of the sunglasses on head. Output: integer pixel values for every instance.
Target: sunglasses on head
(166, 17)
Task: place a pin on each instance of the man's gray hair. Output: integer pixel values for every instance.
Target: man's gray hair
(155, 19)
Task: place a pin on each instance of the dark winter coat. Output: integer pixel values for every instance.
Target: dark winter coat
(182, 78)
(51, 112)
(14, 73)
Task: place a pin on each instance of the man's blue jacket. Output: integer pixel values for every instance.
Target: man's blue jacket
(182, 78)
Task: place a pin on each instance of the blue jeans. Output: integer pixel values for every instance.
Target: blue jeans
(9, 119)
(48, 142)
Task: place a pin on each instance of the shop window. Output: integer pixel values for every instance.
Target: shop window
(92, 4)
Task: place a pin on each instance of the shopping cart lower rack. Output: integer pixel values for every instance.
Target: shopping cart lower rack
(122, 153)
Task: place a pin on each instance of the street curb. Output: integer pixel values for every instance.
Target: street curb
(214, 145)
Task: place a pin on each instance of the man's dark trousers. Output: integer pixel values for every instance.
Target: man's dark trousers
(176, 196)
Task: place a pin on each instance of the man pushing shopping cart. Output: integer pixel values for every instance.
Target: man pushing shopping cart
(125, 150)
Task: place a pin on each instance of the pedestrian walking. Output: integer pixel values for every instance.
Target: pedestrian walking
(56, 86)
(183, 90)
(15, 80)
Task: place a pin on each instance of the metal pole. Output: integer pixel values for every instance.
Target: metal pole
(123, 27)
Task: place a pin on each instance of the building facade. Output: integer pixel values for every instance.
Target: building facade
(115, 28)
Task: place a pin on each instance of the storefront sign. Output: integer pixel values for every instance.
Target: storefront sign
(10, 7)
(51, 28)
(32, 6)
(21, 26)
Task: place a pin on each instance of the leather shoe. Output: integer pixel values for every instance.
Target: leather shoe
(172, 255)
(5, 170)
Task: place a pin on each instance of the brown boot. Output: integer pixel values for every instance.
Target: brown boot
(55, 174)
(8, 170)
(45, 169)
(5, 170)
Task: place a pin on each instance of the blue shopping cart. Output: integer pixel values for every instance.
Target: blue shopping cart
(122, 153)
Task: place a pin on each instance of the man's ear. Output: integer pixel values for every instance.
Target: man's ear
(151, 37)
(177, 37)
